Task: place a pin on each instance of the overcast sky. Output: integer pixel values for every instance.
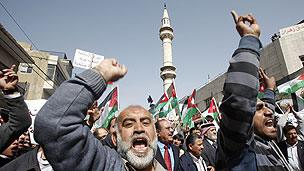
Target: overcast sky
(205, 37)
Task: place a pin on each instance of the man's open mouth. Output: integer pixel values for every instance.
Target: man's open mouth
(140, 144)
(269, 123)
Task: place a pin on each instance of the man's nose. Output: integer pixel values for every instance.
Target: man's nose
(268, 112)
(139, 128)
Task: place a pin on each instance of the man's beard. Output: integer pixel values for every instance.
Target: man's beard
(136, 160)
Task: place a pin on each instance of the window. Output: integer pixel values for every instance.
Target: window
(50, 72)
(25, 68)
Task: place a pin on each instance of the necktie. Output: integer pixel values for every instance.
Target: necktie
(167, 158)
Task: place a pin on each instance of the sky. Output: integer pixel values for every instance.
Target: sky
(205, 35)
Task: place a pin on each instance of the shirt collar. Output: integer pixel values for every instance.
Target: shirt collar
(162, 145)
(195, 159)
(288, 145)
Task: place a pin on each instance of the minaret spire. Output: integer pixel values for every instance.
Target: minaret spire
(166, 35)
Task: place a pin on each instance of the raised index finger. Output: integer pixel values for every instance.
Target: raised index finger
(235, 16)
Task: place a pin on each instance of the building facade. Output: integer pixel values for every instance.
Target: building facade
(11, 53)
(283, 58)
(42, 79)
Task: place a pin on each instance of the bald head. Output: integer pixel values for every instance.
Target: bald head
(132, 109)
(136, 136)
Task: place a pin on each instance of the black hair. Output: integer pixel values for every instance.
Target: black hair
(180, 137)
(193, 129)
(209, 118)
(191, 139)
(157, 124)
(288, 127)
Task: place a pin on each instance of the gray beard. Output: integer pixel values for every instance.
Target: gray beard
(137, 161)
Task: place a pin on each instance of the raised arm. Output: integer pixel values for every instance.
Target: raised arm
(59, 128)
(239, 102)
(19, 118)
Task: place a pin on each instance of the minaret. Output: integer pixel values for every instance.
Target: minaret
(166, 35)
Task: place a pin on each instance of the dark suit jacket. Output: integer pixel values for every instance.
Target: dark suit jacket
(18, 122)
(26, 162)
(186, 163)
(208, 153)
(300, 148)
(161, 160)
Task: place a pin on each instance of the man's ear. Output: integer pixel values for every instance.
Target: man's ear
(190, 146)
(114, 138)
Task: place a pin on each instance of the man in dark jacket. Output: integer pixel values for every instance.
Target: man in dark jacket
(167, 153)
(239, 148)
(33, 160)
(192, 160)
(209, 140)
(19, 119)
(292, 148)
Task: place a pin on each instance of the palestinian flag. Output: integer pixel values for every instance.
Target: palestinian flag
(191, 110)
(108, 109)
(292, 86)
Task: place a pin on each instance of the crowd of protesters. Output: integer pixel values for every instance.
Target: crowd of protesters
(249, 137)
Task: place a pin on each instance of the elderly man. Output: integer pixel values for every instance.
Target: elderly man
(210, 135)
(69, 145)
(239, 148)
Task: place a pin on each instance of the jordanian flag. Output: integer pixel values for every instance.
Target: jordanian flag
(108, 109)
(191, 110)
(174, 102)
(171, 109)
(160, 104)
(213, 111)
(292, 86)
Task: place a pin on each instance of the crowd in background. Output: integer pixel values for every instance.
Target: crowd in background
(250, 136)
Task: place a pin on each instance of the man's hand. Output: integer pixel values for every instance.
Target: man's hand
(269, 82)
(8, 79)
(111, 70)
(210, 168)
(244, 29)
(94, 113)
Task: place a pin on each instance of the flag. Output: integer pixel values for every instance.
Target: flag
(191, 110)
(300, 102)
(261, 90)
(108, 109)
(171, 110)
(213, 110)
(160, 104)
(174, 102)
(292, 86)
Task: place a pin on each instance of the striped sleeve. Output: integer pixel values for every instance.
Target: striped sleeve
(239, 102)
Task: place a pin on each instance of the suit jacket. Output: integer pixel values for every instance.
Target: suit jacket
(300, 148)
(208, 153)
(186, 163)
(26, 162)
(161, 160)
(18, 122)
